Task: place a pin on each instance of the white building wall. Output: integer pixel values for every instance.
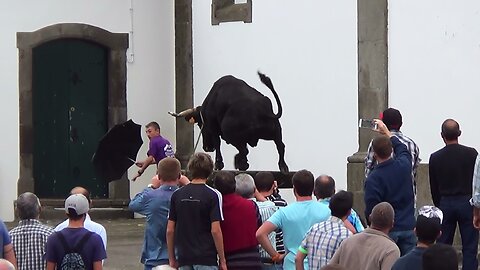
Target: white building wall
(150, 77)
(434, 67)
(309, 50)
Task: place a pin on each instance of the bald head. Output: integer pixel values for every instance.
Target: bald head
(450, 130)
(28, 206)
(382, 216)
(324, 187)
(81, 190)
(6, 265)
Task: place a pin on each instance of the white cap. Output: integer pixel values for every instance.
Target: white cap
(77, 202)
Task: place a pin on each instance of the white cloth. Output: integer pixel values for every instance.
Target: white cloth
(163, 267)
(89, 225)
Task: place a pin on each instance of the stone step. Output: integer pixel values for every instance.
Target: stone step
(53, 209)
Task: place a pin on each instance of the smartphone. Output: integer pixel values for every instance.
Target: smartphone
(367, 123)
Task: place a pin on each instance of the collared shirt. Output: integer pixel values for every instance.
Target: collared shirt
(29, 239)
(476, 184)
(370, 249)
(154, 204)
(412, 147)
(266, 209)
(89, 225)
(322, 240)
(353, 218)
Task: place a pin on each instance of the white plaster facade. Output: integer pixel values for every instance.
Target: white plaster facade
(307, 47)
(434, 67)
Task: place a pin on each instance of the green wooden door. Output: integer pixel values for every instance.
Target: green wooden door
(69, 116)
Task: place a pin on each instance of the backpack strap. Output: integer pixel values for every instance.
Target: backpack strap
(64, 243)
(82, 242)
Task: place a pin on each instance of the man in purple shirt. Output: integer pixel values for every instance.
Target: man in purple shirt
(159, 148)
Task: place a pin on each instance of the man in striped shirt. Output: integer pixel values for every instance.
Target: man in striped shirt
(392, 118)
(267, 187)
(323, 239)
(30, 236)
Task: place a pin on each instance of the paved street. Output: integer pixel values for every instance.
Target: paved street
(125, 237)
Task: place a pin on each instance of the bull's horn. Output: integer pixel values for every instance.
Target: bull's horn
(183, 113)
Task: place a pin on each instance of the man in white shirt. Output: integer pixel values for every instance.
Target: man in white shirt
(89, 224)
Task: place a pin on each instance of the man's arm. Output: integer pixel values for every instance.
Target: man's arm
(299, 260)
(218, 239)
(434, 189)
(262, 237)
(138, 204)
(402, 154)
(372, 195)
(9, 255)
(171, 244)
(143, 166)
(476, 218)
(51, 265)
(97, 265)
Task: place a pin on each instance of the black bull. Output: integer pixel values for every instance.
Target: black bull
(240, 115)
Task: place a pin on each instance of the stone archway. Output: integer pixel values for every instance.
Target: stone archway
(116, 43)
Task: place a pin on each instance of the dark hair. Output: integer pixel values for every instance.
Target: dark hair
(440, 257)
(427, 229)
(28, 206)
(200, 166)
(392, 118)
(324, 187)
(382, 146)
(341, 203)
(224, 182)
(264, 181)
(303, 183)
(169, 169)
(153, 124)
(72, 214)
(450, 129)
(382, 216)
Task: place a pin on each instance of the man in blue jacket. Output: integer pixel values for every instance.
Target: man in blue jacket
(155, 205)
(391, 181)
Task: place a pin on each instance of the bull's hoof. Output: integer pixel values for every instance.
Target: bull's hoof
(240, 163)
(283, 168)
(219, 165)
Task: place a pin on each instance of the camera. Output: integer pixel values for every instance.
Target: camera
(367, 123)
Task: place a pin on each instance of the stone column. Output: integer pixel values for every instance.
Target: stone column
(183, 77)
(372, 20)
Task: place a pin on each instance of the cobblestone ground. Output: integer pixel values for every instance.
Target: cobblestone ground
(124, 244)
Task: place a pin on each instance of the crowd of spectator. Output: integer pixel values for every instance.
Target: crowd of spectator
(240, 221)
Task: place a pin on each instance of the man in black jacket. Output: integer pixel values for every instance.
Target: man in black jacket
(391, 181)
(451, 173)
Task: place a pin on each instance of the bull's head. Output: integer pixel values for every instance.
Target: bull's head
(191, 115)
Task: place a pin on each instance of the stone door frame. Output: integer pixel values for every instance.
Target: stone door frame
(116, 44)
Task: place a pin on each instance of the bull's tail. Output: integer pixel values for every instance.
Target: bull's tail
(266, 80)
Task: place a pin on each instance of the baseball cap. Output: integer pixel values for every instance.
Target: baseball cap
(78, 203)
(430, 211)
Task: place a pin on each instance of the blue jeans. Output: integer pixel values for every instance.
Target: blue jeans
(405, 240)
(457, 209)
(272, 266)
(198, 267)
